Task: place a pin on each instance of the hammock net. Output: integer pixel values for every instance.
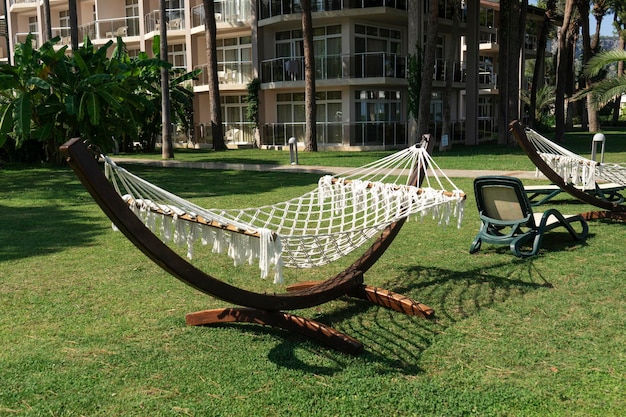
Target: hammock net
(339, 215)
(573, 168)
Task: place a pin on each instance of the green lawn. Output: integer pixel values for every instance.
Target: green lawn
(90, 327)
(484, 156)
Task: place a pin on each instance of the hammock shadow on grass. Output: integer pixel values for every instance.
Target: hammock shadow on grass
(394, 343)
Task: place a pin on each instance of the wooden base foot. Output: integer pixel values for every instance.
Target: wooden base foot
(392, 300)
(278, 319)
(605, 214)
(381, 297)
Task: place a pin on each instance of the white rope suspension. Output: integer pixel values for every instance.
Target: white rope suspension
(574, 168)
(319, 227)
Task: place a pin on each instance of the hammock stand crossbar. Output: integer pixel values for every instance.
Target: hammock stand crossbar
(260, 308)
(573, 180)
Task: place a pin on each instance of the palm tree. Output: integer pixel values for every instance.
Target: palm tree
(610, 88)
(310, 137)
(210, 31)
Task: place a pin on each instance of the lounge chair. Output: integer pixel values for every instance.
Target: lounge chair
(541, 194)
(507, 217)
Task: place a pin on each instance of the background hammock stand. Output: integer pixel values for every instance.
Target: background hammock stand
(609, 209)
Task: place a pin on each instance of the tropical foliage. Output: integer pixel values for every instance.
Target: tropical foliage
(608, 88)
(48, 96)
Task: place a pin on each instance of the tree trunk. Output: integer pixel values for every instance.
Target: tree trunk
(47, 23)
(310, 138)
(427, 69)
(539, 70)
(562, 70)
(413, 10)
(73, 24)
(592, 113)
(511, 36)
(451, 57)
(167, 148)
(215, 109)
(620, 71)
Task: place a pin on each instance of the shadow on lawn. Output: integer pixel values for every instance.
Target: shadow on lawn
(40, 230)
(394, 343)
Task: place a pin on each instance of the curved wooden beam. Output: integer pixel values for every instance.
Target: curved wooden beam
(531, 151)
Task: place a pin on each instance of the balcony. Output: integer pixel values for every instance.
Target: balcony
(63, 33)
(109, 28)
(486, 76)
(174, 20)
(227, 72)
(20, 37)
(233, 12)
(369, 65)
(24, 2)
(273, 8)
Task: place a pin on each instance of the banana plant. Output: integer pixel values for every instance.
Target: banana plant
(50, 96)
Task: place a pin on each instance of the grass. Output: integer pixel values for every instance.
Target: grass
(489, 155)
(90, 327)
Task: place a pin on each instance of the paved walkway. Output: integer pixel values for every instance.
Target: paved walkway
(322, 170)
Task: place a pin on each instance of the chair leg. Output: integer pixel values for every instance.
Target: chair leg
(475, 247)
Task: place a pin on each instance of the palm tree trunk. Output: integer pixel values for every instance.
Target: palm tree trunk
(427, 68)
(167, 148)
(310, 138)
(46, 21)
(562, 70)
(73, 24)
(540, 60)
(447, 96)
(511, 35)
(215, 109)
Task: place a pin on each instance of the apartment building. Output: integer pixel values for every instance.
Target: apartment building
(361, 50)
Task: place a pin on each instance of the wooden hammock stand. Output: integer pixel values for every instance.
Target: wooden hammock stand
(264, 309)
(610, 209)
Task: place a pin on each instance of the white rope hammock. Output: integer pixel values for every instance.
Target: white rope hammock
(573, 168)
(319, 227)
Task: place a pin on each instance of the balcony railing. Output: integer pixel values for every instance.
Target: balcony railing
(388, 134)
(234, 133)
(226, 11)
(486, 74)
(20, 37)
(174, 20)
(280, 7)
(110, 28)
(376, 64)
(227, 73)
(333, 133)
(12, 2)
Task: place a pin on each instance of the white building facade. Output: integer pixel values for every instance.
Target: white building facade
(361, 50)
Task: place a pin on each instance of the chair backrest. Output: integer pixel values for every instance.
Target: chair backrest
(502, 198)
